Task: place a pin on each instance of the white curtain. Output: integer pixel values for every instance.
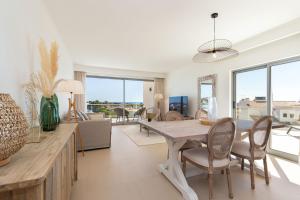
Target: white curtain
(159, 89)
(80, 98)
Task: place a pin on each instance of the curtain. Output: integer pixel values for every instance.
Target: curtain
(159, 96)
(80, 98)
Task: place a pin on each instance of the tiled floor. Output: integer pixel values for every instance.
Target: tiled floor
(128, 172)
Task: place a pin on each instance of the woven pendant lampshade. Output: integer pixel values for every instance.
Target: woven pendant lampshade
(13, 128)
(216, 49)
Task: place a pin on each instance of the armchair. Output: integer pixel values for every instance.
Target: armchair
(95, 134)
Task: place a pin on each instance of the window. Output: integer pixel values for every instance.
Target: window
(251, 94)
(118, 99)
(271, 89)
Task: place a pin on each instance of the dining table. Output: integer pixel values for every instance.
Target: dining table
(176, 134)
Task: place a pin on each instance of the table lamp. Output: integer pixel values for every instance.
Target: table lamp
(73, 87)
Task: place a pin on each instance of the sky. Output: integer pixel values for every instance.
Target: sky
(206, 91)
(285, 83)
(105, 89)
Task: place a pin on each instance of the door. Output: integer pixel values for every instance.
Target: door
(273, 89)
(250, 93)
(285, 84)
(134, 93)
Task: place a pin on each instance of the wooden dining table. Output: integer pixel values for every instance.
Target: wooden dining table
(176, 134)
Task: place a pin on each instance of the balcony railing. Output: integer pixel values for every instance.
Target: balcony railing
(108, 108)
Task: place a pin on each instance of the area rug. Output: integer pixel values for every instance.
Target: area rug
(142, 138)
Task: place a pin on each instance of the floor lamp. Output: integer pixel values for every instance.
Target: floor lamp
(158, 97)
(72, 87)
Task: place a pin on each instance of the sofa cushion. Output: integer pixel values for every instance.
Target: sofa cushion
(243, 149)
(200, 156)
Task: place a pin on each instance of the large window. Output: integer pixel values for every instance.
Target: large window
(251, 93)
(118, 99)
(272, 89)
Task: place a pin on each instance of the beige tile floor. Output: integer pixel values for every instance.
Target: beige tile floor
(128, 172)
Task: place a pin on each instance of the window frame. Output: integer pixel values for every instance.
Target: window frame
(269, 66)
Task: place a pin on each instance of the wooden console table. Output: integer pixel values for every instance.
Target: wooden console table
(42, 171)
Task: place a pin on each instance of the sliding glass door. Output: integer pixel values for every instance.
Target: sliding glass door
(285, 84)
(105, 96)
(116, 98)
(250, 100)
(134, 93)
(272, 89)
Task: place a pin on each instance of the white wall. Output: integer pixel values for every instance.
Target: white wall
(184, 80)
(148, 96)
(22, 24)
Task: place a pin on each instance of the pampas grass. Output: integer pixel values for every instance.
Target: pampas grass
(45, 80)
(31, 100)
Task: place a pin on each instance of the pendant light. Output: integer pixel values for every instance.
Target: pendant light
(216, 49)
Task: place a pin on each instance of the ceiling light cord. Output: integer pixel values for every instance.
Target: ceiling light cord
(214, 35)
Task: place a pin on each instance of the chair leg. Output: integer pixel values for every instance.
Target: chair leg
(181, 157)
(230, 193)
(252, 174)
(266, 171)
(168, 154)
(210, 185)
(242, 164)
(183, 166)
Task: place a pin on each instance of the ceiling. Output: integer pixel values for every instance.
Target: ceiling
(158, 35)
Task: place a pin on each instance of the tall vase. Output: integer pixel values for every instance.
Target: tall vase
(212, 109)
(48, 114)
(55, 99)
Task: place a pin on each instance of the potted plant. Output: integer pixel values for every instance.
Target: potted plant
(45, 81)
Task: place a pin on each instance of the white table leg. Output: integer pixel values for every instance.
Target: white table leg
(172, 170)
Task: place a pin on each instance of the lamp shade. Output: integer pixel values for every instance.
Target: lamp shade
(158, 96)
(72, 86)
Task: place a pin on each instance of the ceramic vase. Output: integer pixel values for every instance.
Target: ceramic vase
(13, 128)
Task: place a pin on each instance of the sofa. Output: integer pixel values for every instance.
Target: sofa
(95, 133)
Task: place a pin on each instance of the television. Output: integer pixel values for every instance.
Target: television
(179, 104)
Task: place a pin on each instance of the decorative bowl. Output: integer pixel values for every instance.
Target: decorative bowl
(206, 122)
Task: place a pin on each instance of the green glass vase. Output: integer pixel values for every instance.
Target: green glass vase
(48, 114)
(55, 99)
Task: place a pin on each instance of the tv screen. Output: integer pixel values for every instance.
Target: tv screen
(179, 104)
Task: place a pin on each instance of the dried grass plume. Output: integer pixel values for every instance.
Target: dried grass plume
(45, 80)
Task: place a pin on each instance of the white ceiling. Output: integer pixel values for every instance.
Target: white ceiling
(158, 35)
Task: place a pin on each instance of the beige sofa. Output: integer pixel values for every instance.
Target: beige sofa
(96, 134)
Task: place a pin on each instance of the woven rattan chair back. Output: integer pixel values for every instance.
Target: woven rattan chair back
(174, 116)
(220, 139)
(260, 133)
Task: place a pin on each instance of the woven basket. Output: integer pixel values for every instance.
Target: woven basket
(13, 128)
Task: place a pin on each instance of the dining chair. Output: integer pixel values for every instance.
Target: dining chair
(176, 116)
(256, 148)
(173, 116)
(217, 154)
